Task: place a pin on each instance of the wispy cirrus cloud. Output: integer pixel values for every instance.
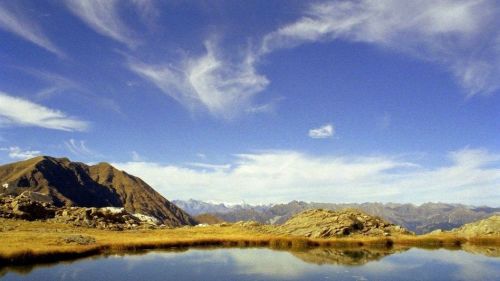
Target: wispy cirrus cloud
(14, 20)
(104, 17)
(471, 176)
(16, 111)
(15, 152)
(57, 84)
(462, 36)
(79, 148)
(323, 132)
(459, 35)
(222, 87)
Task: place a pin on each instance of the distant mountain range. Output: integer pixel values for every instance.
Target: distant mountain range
(419, 219)
(76, 184)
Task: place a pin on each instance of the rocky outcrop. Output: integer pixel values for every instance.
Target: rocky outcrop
(110, 218)
(23, 207)
(68, 184)
(104, 218)
(319, 223)
(484, 228)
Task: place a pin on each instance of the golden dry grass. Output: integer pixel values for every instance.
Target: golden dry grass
(31, 242)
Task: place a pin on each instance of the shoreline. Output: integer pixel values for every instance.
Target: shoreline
(36, 242)
(31, 257)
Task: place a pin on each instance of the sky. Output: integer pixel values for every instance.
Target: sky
(261, 101)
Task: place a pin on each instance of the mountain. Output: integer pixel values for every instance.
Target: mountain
(77, 184)
(197, 207)
(419, 219)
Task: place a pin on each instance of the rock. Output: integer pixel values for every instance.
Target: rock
(36, 196)
(110, 218)
(23, 207)
(485, 227)
(247, 224)
(319, 223)
(26, 207)
(79, 239)
(437, 231)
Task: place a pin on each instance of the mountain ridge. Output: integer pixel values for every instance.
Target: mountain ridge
(70, 183)
(420, 219)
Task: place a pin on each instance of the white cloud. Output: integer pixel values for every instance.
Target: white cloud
(17, 22)
(103, 16)
(210, 167)
(473, 177)
(460, 35)
(79, 148)
(224, 88)
(18, 111)
(323, 132)
(15, 152)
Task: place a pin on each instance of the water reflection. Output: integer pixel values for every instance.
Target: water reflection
(266, 264)
(490, 251)
(344, 256)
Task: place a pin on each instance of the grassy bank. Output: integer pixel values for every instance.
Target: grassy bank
(25, 242)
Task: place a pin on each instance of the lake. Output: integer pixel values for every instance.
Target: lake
(266, 264)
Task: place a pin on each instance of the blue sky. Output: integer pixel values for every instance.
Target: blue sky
(262, 101)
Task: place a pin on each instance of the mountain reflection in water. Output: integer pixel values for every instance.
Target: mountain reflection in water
(478, 263)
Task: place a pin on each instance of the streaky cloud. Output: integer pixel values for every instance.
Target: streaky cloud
(223, 88)
(462, 36)
(15, 111)
(103, 17)
(79, 148)
(15, 21)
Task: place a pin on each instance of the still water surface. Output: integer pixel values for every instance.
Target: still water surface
(266, 264)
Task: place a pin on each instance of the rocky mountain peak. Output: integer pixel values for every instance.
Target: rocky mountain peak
(70, 183)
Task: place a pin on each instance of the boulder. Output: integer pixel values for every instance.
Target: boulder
(23, 207)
